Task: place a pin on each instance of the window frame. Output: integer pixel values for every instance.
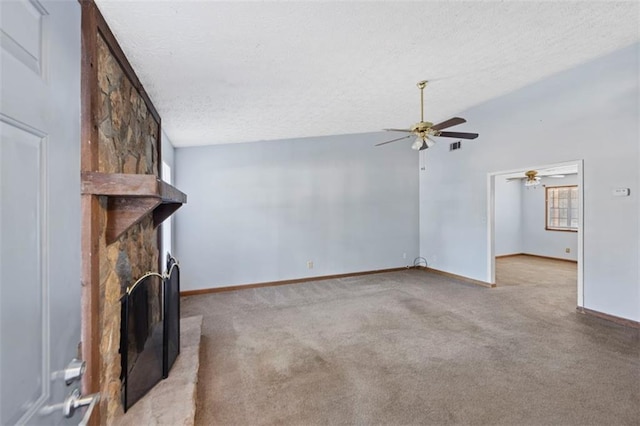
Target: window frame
(547, 227)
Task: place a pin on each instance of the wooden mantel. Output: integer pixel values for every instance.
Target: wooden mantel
(131, 197)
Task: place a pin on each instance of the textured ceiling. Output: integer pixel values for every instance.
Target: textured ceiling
(226, 72)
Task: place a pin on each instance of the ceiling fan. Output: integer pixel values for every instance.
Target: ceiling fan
(423, 131)
(532, 177)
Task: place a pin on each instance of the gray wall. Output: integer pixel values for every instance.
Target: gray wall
(589, 113)
(258, 212)
(535, 238)
(508, 220)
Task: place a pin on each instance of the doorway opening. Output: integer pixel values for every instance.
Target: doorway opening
(530, 231)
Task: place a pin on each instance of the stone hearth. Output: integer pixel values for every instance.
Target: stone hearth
(173, 400)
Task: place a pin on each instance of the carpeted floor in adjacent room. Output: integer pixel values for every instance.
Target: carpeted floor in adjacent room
(413, 347)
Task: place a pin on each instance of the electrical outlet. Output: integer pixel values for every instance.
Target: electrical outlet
(567, 250)
(310, 264)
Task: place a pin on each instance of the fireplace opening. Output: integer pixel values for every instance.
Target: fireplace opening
(149, 332)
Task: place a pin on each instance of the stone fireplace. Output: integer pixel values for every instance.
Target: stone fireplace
(123, 201)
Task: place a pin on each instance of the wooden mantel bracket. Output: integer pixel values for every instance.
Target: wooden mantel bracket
(131, 197)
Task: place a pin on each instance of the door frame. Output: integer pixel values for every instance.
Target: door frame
(491, 218)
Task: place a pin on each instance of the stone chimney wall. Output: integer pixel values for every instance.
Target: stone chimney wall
(128, 138)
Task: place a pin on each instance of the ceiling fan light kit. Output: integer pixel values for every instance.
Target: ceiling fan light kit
(423, 143)
(424, 130)
(417, 144)
(532, 179)
(430, 142)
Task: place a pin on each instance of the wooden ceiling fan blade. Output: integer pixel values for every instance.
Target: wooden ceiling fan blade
(398, 130)
(461, 135)
(393, 140)
(449, 123)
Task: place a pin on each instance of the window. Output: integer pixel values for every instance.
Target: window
(562, 208)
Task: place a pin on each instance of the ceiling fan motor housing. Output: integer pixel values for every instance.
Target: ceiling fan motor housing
(421, 127)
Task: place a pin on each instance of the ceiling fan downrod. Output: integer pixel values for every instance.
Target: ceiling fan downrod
(421, 85)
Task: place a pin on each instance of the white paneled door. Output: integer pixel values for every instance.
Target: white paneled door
(40, 212)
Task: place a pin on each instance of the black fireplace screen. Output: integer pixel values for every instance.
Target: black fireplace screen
(149, 332)
(171, 315)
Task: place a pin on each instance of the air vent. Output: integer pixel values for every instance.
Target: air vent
(455, 145)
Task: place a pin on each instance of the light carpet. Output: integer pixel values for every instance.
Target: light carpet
(413, 347)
